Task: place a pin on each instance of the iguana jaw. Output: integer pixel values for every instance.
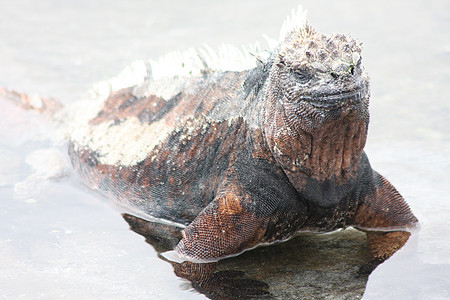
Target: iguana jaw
(333, 101)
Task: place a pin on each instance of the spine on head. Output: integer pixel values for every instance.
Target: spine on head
(295, 21)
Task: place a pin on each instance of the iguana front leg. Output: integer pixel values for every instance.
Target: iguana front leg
(246, 211)
(226, 226)
(384, 215)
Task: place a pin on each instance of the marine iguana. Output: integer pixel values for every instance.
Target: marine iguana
(245, 156)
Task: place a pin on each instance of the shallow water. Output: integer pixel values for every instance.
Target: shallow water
(60, 240)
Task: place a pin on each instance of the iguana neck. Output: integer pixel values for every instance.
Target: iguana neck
(330, 151)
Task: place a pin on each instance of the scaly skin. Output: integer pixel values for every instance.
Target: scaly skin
(250, 157)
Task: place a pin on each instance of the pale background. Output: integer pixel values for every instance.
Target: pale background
(59, 241)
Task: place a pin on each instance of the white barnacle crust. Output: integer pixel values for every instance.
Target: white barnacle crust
(129, 141)
(125, 143)
(165, 88)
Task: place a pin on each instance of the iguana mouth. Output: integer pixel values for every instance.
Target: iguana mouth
(334, 101)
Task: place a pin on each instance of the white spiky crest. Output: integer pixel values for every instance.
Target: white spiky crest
(295, 21)
(193, 62)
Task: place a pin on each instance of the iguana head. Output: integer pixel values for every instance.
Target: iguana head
(319, 78)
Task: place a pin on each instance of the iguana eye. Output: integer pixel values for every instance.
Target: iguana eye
(352, 70)
(301, 76)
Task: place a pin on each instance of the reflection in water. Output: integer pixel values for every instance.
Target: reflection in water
(226, 284)
(383, 245)
(205, 278)
(314, 266)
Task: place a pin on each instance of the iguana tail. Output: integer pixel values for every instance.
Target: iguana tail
(44, 105)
